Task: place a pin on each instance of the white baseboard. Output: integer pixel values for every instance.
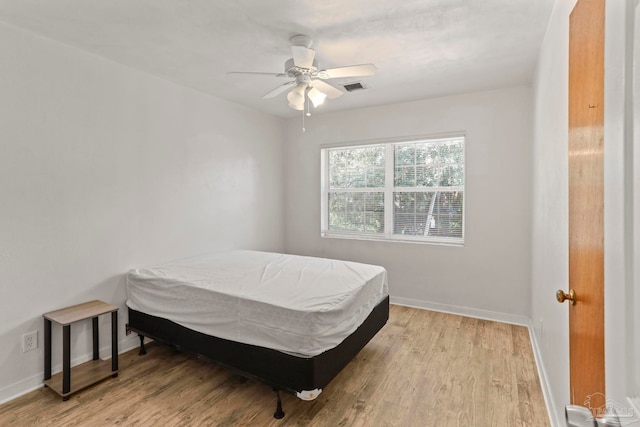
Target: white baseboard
(513, 319)
(34, 382)
(544, 383)
(21, 387)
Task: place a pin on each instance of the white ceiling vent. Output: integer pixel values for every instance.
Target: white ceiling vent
(351, 87)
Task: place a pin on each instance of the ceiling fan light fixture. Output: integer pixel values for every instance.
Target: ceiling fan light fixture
(317, 98)
(296, 98)
(307, 81)
(296, 106)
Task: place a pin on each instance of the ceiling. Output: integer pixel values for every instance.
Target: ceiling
(421, 48)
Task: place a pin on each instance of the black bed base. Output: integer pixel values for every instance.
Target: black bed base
(280, 370)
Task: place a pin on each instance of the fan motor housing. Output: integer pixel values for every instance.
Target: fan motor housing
(292, 71)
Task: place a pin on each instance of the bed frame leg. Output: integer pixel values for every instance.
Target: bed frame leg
(279, 414)
(143, 350)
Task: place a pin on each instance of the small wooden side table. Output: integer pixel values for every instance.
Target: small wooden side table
(89, 372)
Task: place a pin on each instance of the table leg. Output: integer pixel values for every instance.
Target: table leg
(114, 340)
(66, 360)
(47, 349)
(96, 339)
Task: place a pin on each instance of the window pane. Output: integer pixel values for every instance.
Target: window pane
(410, 212)
(456, 151)
(375, 177)
(437, 214)
(355, 178)
(431, 154)
(437, 164)
(404, 161)
(426, 176)
(359, 167)
(405, 202)
(451, 176)
(405, 176)
(352, 211)
(405, 154)
(446, 220)
(422, 154)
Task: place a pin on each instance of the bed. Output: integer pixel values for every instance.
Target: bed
(292, 322)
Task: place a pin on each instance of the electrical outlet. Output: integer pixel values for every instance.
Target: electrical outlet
(29, 341)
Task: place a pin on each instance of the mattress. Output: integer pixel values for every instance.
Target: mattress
(295, 304)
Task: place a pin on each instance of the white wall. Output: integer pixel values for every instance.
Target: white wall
(490, 275)
(622, 202)
(550, 233)
(632, 285)
(104, 168)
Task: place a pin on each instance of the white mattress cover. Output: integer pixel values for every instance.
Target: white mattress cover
(295, 304)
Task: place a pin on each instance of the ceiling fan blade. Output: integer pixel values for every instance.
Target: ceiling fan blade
(303, 56)
(331, 91)
(282, 88)
(350, 71)
(259, 73)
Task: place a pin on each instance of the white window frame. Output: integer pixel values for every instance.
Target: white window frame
(388, 190)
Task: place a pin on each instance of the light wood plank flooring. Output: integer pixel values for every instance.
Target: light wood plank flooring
(422, 369)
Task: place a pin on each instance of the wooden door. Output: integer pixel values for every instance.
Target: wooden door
(586, 203)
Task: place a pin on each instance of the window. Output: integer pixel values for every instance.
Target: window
(411, 190)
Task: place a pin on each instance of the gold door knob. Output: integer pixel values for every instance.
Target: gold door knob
(571, 296)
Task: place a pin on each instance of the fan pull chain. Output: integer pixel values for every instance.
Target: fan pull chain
(308, 113)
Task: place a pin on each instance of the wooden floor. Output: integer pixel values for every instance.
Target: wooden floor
(422, 369)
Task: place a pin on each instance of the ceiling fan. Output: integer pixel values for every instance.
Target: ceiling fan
(308, 83)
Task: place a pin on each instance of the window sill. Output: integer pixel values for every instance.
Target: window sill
(394, 239)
